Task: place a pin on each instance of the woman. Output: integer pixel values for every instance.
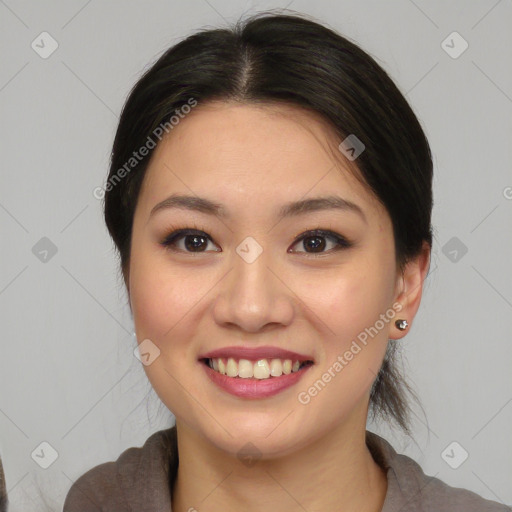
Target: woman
(270, 196)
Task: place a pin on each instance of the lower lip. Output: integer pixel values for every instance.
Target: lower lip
(254, 388)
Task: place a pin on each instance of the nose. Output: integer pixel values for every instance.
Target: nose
(252, 297)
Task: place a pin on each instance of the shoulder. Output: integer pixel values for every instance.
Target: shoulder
(138, 478)
(432, 494)
(96, 490)
(409, 487)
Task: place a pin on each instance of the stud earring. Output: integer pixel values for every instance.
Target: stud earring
(401, 324)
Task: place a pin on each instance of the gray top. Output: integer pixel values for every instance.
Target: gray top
(141, 481)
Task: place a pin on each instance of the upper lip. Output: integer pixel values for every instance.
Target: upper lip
(255, 353)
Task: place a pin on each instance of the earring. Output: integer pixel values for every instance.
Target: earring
(401, 324)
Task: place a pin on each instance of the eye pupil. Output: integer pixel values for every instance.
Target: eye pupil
(194, 242)
(317, 243)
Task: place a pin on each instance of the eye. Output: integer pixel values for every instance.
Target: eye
(316, 241)
(193, 241)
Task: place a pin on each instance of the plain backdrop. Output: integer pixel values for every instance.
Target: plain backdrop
(68, 376)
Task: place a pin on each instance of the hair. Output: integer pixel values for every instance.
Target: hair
(272, 59)
(3, 491)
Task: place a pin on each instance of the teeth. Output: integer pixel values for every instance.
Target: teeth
(261, 369)
(245, 369)
(276, 368)
(231, 368)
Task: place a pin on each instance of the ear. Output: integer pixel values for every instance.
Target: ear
(409, 289)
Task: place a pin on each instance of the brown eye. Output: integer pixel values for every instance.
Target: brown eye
(193, 241)
(316, 242)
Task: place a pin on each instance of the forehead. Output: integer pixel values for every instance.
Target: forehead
(260, 154)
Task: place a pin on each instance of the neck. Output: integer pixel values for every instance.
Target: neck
(335, 472)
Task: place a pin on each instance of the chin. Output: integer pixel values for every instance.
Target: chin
(268, 436)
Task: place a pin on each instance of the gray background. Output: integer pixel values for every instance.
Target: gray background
(68, 375)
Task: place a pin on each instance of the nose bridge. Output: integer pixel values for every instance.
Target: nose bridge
(251, 296)
(251, 276)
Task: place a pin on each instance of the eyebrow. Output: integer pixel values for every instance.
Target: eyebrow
(203, 205)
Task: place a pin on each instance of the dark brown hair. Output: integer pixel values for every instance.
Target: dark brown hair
(3, 491)
(291, 59)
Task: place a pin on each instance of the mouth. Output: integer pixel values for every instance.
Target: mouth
(255, 373)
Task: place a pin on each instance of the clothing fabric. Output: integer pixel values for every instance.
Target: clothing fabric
(142, 478)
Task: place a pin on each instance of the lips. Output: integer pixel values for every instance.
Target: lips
(254, 388)
(256, 353)
(262, 386)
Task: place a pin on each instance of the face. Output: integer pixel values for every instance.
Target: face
(246, 276)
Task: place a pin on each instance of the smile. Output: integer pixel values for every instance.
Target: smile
(254, 372)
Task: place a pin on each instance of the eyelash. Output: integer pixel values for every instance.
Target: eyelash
(341, 242)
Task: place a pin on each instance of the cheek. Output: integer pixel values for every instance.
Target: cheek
(163, 297)
(352, 352)
(169, 305)
(164, 304)
(348, 303)
(348, 300)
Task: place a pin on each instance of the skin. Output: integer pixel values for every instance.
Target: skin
(253, 159)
